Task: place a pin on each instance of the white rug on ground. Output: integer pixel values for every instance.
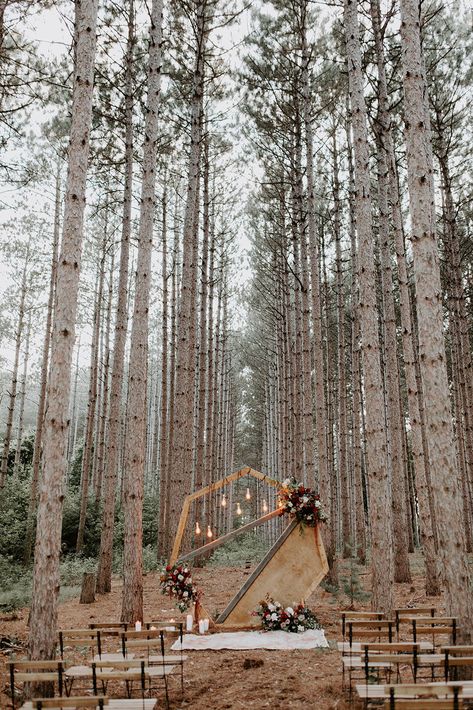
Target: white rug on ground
(247, 640)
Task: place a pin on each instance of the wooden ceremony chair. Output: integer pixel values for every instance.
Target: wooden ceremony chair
(88, 701)
(80, 638)
(434, 626)
(35, 672)
(425, 704)
(128, 671)
(359, 629)
(424, 697)
(419, 692)
(393, 655)
(162, 658)
(456, 657)
(358, 616)
(406, 614)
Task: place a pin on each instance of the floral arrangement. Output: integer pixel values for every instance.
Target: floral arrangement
(296, 619)
(176, 581)
(301, 503)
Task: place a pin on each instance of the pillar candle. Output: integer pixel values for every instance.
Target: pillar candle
(189, 622)
(201, 627)
(138, 626)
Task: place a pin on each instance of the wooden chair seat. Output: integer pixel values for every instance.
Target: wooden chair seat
(111, 704)
(424, 704)
(48, 671)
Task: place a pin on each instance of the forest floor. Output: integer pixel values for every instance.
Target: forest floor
(221, 679)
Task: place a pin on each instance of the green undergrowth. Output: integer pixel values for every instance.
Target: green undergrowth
(16, 579)
(250, 547)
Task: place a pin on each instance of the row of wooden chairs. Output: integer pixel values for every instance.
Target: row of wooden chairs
(124, 663)
(92, 702)
(435, 696)
(388, 655)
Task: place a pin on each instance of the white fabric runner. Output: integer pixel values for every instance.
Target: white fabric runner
(247, 640)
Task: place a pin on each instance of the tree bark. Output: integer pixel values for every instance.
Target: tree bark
(135, 443)
(44, 375)
(380, 500)
(43, 614)
(104, 571)
(91, 403)
(183, 439)
(439, 430)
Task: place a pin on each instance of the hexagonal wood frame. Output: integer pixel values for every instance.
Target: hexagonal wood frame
(289, 572)
(247, 471)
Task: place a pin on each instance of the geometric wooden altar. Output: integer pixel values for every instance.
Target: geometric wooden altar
(289, 572)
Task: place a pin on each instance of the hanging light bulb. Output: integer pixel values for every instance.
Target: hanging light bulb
(265, 507)
(224, 501)
(238, 509)
(248, 494)
(209, 531)
(197, 529)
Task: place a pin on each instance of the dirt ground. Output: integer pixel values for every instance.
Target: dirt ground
(220, 679)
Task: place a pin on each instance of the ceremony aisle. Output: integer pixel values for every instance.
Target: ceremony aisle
(299, 680)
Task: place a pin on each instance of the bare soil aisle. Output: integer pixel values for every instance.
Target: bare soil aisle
(222, 679)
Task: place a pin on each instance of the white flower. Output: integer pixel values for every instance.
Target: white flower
(277, 604)
(301, 617)
(290, 610)
(186, 570)
(271, 607)
(284, 624)
(180, 577)
(300, 628)
(274, 617)
(317, 503)
(185, 594)
(305, 499)
(289, 505)
(286, 482)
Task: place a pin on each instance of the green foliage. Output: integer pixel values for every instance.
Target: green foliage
(13, 515)
(70, 525)
(73, 567)
(249, 547)
(26, 456)
(16, 580)
(351, 584)
(76, 468)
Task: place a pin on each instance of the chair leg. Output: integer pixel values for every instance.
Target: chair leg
(166, 690)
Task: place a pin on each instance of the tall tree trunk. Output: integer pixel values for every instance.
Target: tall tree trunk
(323, 480)
(163, 451)
(183, 439)
(38, 439)
(380, 500)
(104, 572)
(43, 614)
(89, 443)
(439, 430)
(21, 408)
(203, 350)
(347, 533)
(14, 379)
(105, 379)
(135, 444)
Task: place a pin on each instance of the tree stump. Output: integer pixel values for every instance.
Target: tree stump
(87, 594)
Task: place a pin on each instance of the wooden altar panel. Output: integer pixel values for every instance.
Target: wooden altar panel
(289, 573)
